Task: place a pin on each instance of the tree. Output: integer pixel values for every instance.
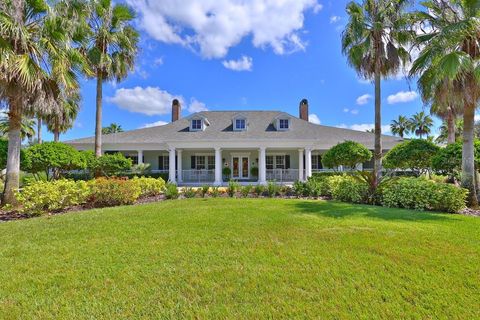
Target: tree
(421, 124)
(373, 42)
(112, 128)
(450, 55)
(112, 164)
(413, 155)
(449, 159)
(446, 130)
(53, 158)
(62, 121)
(37, 61)
(348, 154)
(27, 129)
(111, 51)
(400, 127)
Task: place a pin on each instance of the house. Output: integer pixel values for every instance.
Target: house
(196, 149)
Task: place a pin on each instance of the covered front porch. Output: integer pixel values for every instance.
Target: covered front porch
(216, 166)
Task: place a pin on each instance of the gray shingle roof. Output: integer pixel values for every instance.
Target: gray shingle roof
(259, 128)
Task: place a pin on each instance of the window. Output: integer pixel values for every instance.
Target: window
(284, 124)
(240, 124)
(196, 124)
(211, 163)
(278, 162)
(203, 162)
(200, 163)
(270, 162)
(317, 162)
(163, 163)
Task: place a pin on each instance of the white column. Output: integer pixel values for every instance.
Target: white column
(308, 163)
(300, 165)
(262, 166)
(218, 167)
(179, 166)
(140, 156)
(171, 165)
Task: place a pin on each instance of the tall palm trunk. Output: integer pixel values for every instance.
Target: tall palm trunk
(39, 130)
(56, 135)
(468, 160)
(378, 130)
(12, 181)
(451, 127)
(98, 117)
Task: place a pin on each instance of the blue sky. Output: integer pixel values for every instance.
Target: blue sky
(242, 55)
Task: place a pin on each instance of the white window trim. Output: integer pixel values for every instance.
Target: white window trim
(283, 129)
(202, 126)
(234, 123)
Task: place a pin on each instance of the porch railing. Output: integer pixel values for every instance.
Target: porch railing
(283, 175)
(198, 176)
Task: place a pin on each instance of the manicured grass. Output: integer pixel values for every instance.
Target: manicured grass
(228, 258)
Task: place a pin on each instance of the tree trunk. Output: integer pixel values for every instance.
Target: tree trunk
(56, 135)
(39, 130)
(451, 127)
(98, 117)
(468, 160)
(12, 180)
(378, 131)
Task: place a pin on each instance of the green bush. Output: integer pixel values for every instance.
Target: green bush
(348, 154)
(113, 192)
(423, 194)
(245, 190)
(204, 190)
(227, 172)
(273, 189)
(449, 159)
(43, 196)
(254, 171)
(233, 187)
(149, 186)
(300, 189)
(413, 155)
(259, 190)
(111, 164)
(349, 189)
(215, 192)
(189, 192)
(171, 191)
(315, 187)
(330, 184)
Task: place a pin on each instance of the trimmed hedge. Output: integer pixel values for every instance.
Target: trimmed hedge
(113, 192)
(349, 189)
(423, 194)
(149, 186)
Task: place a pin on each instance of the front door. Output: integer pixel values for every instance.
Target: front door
(240, 167)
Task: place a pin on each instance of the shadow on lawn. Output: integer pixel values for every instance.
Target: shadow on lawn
(333, 209)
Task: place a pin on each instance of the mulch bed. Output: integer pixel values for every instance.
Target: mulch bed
(470, 212)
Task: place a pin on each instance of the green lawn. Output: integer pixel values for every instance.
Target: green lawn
(227, 258)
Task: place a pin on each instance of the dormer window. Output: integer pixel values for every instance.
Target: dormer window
(196, 124)
(283, 124)
(240, 124)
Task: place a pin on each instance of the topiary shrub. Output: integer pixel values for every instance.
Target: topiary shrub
(111, 164)
(171, 191)
(43, 196)
(348, 154)
(331, 184)
(149, 187)
(113, 192)
(349, 189)
(423, 194)
(415, 155)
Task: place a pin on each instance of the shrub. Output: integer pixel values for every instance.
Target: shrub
(273, 189)
(215, 192)
(351, 190)
(286, 191)
(348, 153)
(300, 189)
(254, 171)
(233, 187)
(111, 164)
(43, 196)
(227, 172)
(414, 154)
(204, 190)
(149, 186)
(331, 184)
(423, 194)
(449, 159)
(171, 191)
(259, 190)
(113, 192)
(245, 190)
(189, 192)
(314, 187)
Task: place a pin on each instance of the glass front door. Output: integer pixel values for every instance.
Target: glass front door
(240, 167)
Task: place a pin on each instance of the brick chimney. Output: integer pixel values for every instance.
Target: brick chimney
(304, 109)
(176, 110)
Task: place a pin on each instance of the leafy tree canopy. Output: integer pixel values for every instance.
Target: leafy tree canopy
(111, 164)
(348, 153)
(449, 159)
(413, 154)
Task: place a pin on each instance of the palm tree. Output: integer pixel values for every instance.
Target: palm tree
(445, 131)
(112, 48)
(27, 127)
(112, 128)
(373, 42)
(450, 59)
(63, 121)
(421, 124)
(36, 60)
(400, 127)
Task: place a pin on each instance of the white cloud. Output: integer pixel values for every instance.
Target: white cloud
(362, 100)
(243, 64)
(477, 117)
(313, 118)
(196, 106)
(335, 19)
(364, 127)
(213, 27)
(158, 62)
(354, 111)
(402, 97)
(154, 124)
(150, 100)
